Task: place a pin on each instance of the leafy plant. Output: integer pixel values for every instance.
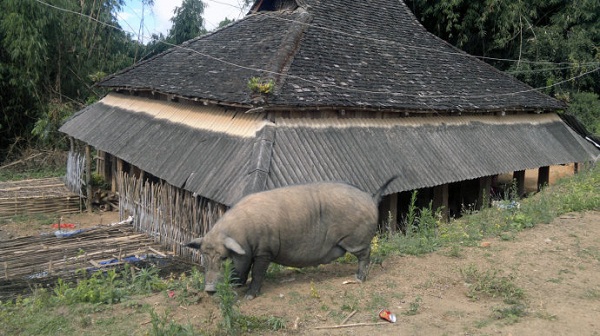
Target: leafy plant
(101, 287)
(164, 326)
(146, 280)
(227, 297)
(261, 85)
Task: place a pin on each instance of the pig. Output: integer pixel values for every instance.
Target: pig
(296, 226)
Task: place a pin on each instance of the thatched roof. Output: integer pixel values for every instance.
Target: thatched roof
(337, 53)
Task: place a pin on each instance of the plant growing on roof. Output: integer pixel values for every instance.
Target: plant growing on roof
(260, 85)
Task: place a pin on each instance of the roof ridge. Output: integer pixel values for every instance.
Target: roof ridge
(288, 48)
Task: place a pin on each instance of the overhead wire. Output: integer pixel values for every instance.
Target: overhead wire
(385, 41)
(346, 88)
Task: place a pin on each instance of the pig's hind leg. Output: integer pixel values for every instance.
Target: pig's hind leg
(364, 260)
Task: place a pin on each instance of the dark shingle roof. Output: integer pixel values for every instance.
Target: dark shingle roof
(338, 53)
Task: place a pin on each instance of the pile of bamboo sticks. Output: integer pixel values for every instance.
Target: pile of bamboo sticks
(44, 255)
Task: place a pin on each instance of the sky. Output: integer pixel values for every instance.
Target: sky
(157, 19)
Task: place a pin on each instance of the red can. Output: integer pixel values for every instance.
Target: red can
(387, 315)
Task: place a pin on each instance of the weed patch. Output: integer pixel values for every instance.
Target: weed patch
(491, 284)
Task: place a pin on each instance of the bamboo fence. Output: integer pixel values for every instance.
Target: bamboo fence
(170, 215)
(37, 196)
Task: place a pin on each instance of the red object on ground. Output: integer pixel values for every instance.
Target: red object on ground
(64, 226)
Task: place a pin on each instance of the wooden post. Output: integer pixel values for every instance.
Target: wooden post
(440, 200)
(113, 174)
(543, 177)
(88, 177)
(485, 186)
(393, 212)
(519, 177)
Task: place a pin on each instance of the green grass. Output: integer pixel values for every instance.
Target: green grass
(574, 194)
(491, 283)
(67, 307)
(31, 173)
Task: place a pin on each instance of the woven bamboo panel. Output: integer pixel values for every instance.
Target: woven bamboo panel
(37, 197)
(27, 261)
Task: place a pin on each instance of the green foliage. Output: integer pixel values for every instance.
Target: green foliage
(29, 316)
(162, 325)
(51, 118)
(102, 287)
(48, 61)
(230, 311)
(32, 173)
(146, 280)
(260, 85)
(421, 236)
(43, 313)
(187, 21)
(98, 181)
(233, 322)
(586, 106)
(549, 41)
(225, 22)
(425, 232)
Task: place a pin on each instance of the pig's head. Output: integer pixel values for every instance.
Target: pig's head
(215, 249)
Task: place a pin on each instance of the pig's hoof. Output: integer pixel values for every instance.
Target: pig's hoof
(249, 297)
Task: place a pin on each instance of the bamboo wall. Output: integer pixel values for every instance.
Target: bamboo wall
(173, 217)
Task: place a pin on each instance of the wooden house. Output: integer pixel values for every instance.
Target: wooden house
(302, 91)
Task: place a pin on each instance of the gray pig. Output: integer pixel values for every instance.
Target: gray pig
(297, 226)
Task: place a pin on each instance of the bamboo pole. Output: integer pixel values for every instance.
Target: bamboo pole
(88, 177)
(354, 325)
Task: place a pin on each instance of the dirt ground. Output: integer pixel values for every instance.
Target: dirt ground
(556, 265)
(34, 225)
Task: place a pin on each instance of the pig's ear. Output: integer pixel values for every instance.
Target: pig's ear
(231, 244)
(196, 243)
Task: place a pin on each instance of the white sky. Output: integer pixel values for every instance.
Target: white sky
(157, 19)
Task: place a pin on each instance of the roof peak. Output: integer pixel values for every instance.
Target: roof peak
(273, 5)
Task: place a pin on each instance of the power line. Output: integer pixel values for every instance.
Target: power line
(384, 41)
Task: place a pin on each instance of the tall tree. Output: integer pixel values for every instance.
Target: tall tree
(541, 42)
(187, 21)
(50, 53)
